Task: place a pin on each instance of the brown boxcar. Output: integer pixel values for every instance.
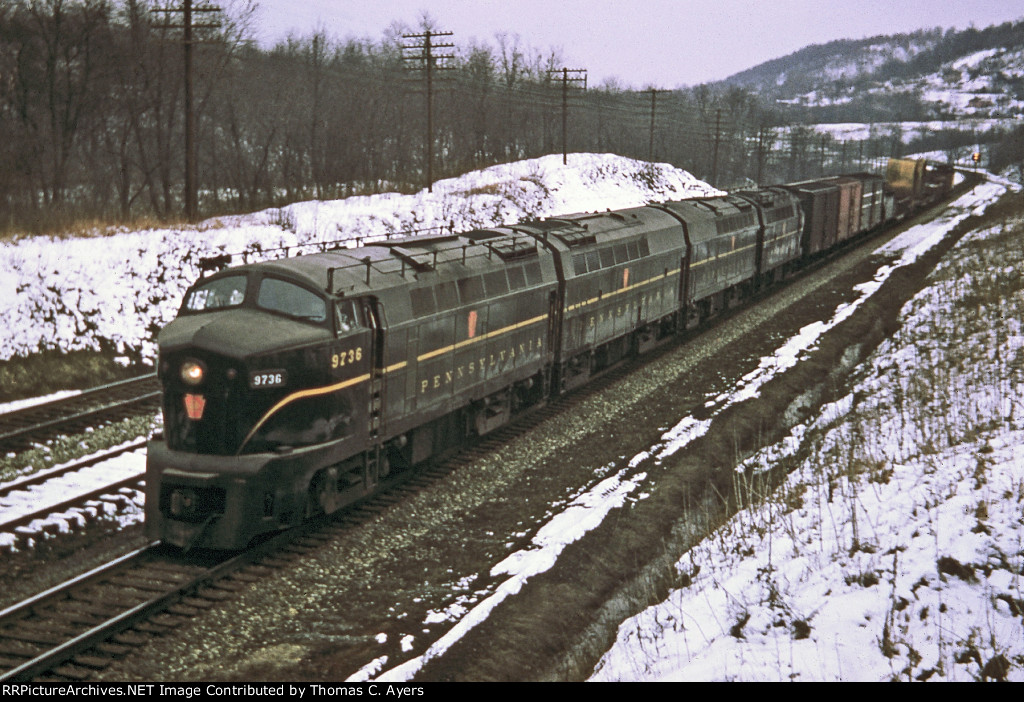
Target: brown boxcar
(848, 214)
(820, 202)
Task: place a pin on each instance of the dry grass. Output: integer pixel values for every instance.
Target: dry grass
(88, 227)
(51, 371)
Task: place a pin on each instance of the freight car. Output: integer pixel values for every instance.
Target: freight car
(914, 183)
(293, 387)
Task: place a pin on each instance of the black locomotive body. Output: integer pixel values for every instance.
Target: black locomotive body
(292, 387)
(325, 371)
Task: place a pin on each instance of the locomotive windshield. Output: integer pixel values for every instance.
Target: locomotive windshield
(217, 294)
(292, 300)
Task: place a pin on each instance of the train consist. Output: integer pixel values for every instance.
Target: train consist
(293, 387)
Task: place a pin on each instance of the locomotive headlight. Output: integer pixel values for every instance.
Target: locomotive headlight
(192, 372)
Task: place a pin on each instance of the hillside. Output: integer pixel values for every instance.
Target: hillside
(925, 75)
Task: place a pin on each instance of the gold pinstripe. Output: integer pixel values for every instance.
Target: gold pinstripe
(327, 389)
(287, 400)
(488, 335)
(620, 291)
(718, 258)
(572, 308)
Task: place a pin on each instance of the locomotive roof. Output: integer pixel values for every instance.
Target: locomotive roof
(596, 228)
(401, 263)
(768, 197)
(707, 218)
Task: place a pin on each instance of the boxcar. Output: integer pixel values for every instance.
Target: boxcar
(848, 212)
(819, 200)
(872, 211)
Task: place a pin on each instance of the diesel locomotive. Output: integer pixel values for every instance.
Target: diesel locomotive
(293, 387)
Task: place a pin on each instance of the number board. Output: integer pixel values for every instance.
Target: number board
(268, 378)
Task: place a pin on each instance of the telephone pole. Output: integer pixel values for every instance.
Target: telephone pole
(188, 26)
(714, 159)
(426, 60)
(763, 136)
(654, 96)
(579, 76)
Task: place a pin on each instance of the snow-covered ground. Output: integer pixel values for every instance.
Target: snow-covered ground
(75, 293)
(896, 549)
(909, 131)
(56, 490)
(33, 401)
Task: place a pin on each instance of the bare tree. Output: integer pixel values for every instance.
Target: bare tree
(59, 49)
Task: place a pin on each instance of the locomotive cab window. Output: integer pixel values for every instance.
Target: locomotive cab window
(348, 316)
(290, 299)
(217, 294)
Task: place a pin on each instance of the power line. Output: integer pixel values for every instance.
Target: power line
(579, 76)
(654, 97)
(188, 40)
(430, 62)
(718, 133)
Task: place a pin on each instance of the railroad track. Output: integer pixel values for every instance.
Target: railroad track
(98, 487)
(20, 429)
(71, 629)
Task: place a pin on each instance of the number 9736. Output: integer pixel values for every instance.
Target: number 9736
(345, 358)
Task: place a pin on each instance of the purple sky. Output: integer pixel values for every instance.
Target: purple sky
(644, 43)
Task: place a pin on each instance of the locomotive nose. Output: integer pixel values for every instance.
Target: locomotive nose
(237, 335)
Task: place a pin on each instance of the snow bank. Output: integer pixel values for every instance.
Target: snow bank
(119, 290)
